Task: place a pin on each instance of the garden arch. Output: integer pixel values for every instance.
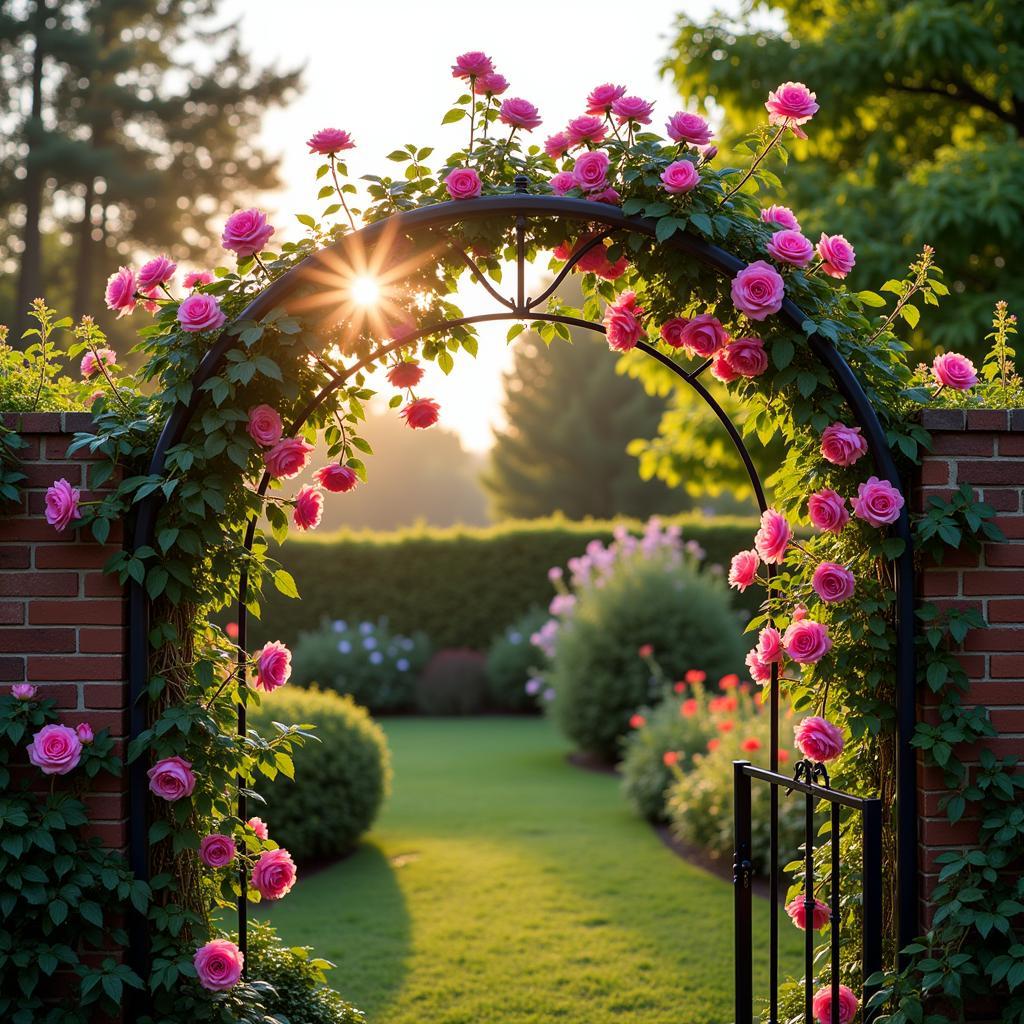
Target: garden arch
(518, 209)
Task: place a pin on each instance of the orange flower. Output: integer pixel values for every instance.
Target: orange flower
(729, 682)
(751, 743)
(679, 687)
(714, 743)
(637, 722)
(670, 757)
(727, 726)
(694, 675)
(688, 708)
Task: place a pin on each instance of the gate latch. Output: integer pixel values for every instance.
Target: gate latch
(742, 870)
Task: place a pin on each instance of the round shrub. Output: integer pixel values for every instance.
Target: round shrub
(597, 675)
(453, 683)
(339, 783)
(298, 981)
(512, 660)
(367, 660)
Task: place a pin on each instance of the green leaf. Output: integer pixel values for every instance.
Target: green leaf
(285, 583)
(453, 115)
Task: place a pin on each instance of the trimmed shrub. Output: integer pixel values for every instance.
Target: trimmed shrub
(453, 683)
(490, 576)
(512, 660)
(298, 981)
(340, 782)
(366, 659)
(598, 678)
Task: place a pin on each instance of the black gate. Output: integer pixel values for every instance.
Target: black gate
(744, 774)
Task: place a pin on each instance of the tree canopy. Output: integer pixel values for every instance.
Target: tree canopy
(918, 139)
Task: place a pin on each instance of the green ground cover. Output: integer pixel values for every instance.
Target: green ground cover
(504, 886)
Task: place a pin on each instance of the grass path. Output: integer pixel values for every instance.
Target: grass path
(503, 886)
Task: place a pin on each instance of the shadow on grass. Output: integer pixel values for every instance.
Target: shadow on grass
(370, 970)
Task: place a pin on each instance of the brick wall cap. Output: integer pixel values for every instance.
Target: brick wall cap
(973, 420)
(57, 423)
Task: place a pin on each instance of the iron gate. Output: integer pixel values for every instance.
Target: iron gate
(744, 775)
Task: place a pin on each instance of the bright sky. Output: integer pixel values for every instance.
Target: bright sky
(381, 71)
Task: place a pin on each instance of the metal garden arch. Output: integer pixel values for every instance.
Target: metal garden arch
(519, 209)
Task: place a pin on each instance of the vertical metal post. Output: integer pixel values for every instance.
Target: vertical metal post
(773, 847)
(871, 875)
(743, 953)
(834, 906)
(240, 671)
(808, 908)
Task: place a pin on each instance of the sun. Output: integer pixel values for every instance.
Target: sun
(365, 290)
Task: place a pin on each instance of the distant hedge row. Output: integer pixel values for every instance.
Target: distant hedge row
(461, 586)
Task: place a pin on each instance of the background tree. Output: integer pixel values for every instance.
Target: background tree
(918, 138)
(570, 418)
(128, 125)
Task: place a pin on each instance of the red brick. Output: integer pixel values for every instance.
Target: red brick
(1007, 666)
(65, 694)
(113, 836)
(966, 444)
(81, 667)
(1006, 610)
(1004, 555)
(99, 612)
(993, 582)
(992, 693)
(106, 695)
(936, 471)
(114, 721)
(1012, 526)
(43, 474)
(994, 639)
(939, 831)
(39, 423)
(12, 670)
(37, 640)
(988, 419)
(14, 556)
(29, 530)
(107, 806)
(109, 641)
(12, 613)
(1002, 500)
(98, 584)
(972, 664)
(38, 584)
(940, 583)
(1011, 445)
(73, 556)
(1008, 720)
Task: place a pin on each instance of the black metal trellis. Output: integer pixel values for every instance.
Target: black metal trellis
(744, 774)
(520, 209)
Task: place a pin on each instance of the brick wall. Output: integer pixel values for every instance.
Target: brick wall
(62, 621)
(986, 450)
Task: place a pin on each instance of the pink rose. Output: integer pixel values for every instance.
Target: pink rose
(769, 645)
(473, 64)
(632, 108)
(701, 336)
(491, 84)
(746, 357)
(773, 537)
(259, 826)
(590, 170)
(680, 176)
(797, 910)
(198, 278)
(954, 371)
(274, 874)
(246, 233)
(55, 750)
(120, 293)
(265, 426)
(330, 141)
(156, 272)
(759, 671)
(827, 510)
(721, 370)
(707, 153)
(822, 1005)
(818, 739)
(789, 246)
(463, 183)
(877, 502)
(23, 691)
(622, 322)
(743, 570)
(833, 583)
(519, 113)
(806, 641)
(336, 478)
(593, 259)
(218, 965)
(562, 182)
(758, 290)
(217, 851)
(62, 504)
(557, 145)
(792, 103)
(842, 445)
(288, 458)
(309, 508)
(273, 666)
(91, 361)
(171, 779)
(836, 254)
(800, 613)
(781, 215)
(200, 312)
(586, 128)
(604, 195)
(691, 128)
(602, 97)
(405, 374)
(421, 413)
(85, 733)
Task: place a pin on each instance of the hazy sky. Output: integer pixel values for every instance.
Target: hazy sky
(381, 70)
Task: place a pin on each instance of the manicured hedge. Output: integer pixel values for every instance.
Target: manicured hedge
(461, 586)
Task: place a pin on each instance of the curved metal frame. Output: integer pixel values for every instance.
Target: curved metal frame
(522, 207)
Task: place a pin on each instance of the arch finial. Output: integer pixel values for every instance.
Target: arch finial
(522, 184)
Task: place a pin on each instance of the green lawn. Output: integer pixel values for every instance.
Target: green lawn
(504, 886)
